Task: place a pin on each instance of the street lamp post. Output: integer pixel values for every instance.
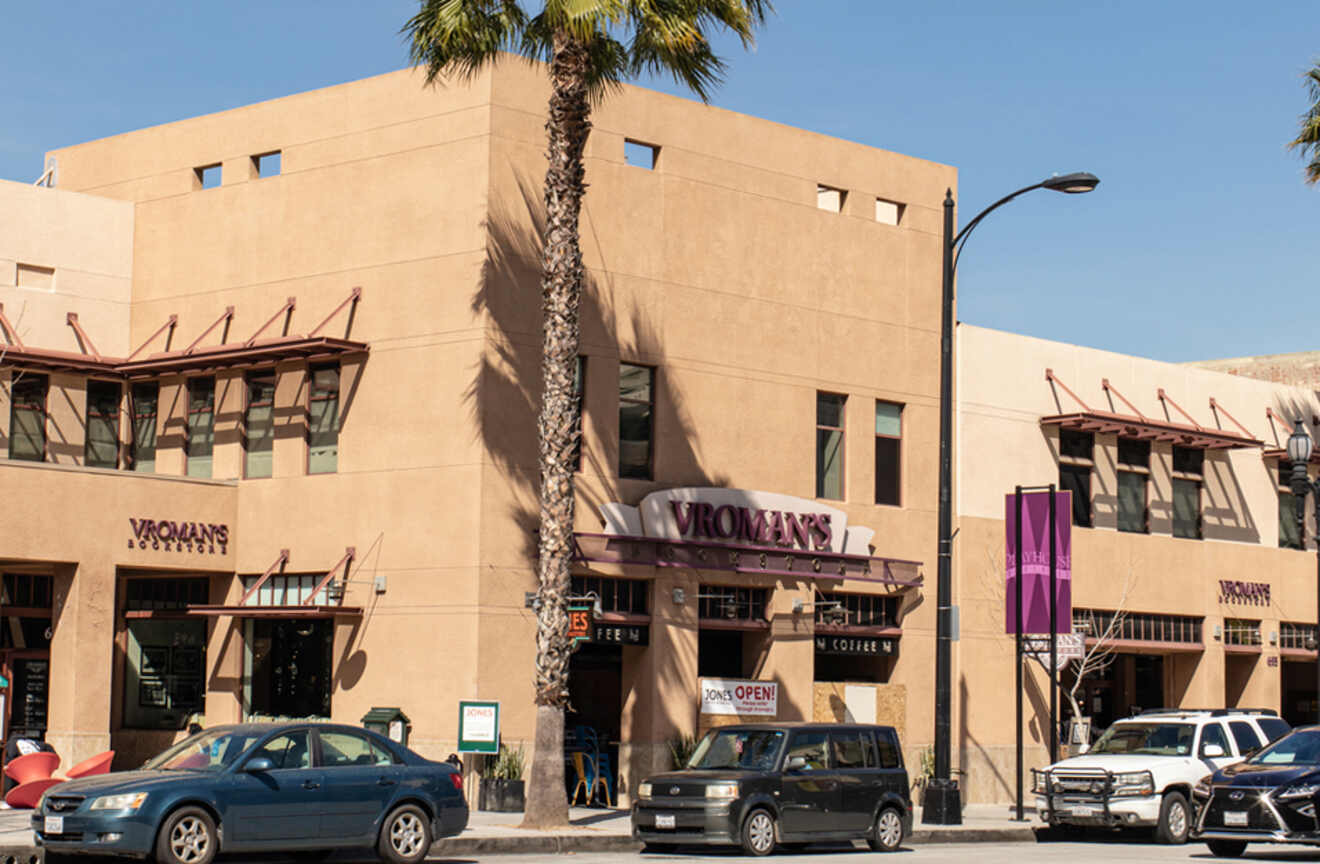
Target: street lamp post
(1299, 454)
(941, 803)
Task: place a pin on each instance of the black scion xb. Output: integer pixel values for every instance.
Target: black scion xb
(764, 784)
(1270, 798)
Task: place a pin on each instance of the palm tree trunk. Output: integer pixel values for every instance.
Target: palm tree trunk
(561, 290)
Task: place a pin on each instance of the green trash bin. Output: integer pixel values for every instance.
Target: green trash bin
(390, 722)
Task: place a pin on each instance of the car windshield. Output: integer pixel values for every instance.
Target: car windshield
(741, 749)
(1299, 747)
(212, 750)
(1152, 739)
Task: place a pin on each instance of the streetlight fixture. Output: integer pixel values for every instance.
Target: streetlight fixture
(941, 803)
(1300, 447)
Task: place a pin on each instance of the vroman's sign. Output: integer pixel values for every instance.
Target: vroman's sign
(738, 517)
(203, 538)
(1253, 593)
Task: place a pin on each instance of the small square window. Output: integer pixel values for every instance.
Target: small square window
(35, 278)
(829, 198)
(267, 164)
(640, 155)
(888, 212)
(208, 176)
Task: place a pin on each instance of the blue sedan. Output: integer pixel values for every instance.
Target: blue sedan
(305, 787)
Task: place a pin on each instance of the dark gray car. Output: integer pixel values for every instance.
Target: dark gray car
(765, 784)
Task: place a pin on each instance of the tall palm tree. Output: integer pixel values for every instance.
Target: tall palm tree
(1308, 135)
(589, 47)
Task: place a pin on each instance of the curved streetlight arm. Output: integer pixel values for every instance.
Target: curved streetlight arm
(961, 239)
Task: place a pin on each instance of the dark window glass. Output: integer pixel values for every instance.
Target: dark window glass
(201, 426)
(848, 749)
(148, 594)
(616, 595)
(1186, 508)
(344, 749)
(323, 420)
(888, 437)
(259, 424)
(733, 604)
(579, 387)
(1213, 733)
(30, 590)
(811, 747)
(1290, 534)
(720, 653)
(163, 671)
(869, 752)
(1244, 736)
(1134, 453)
(889, 756)
(1188, 460)
(27, 417)
(863, 610)
(101, 447)
(1077, 480)
(1076, 445)
(290, 663)
(290, 750)
(146, 398)
(1273, 727)
(829, 445)
(636, 420)
(1131, 501)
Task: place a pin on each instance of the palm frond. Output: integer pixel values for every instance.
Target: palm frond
(1308, 135)
(670, 37)
(462, 36)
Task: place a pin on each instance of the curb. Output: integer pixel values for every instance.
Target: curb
(973, 835)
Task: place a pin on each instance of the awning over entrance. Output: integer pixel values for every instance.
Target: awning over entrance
(272, 611)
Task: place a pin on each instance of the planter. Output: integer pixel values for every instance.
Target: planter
(501, 796)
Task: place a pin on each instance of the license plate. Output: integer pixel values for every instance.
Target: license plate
(54, 825)
(1235, 819)
(1084, 811)
(664, 820)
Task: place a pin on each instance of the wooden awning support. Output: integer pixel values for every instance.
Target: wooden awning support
(85, 342)
(226, 316)
(353, 297)
(345, 562)
(10, 333)
(279, 562)
(286, 309)
(169, 324)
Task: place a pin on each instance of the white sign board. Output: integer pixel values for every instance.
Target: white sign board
(1069, 646)
(741, 698)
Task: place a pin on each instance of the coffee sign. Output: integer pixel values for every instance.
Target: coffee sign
(203, 538)
(857, 646)
(621, 634)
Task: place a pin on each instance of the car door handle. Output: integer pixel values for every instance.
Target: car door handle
(311, 784)
(385, 781)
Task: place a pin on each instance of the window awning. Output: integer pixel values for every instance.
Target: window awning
(1150, 429)
(202, 611)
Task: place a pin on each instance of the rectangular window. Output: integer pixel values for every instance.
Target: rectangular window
(259, 424)
(1290, 535)
(287, 667)
(145, 399)
(267, 164)
(323, 420)
(888, 212)
(1077, 480)
(888, 467)
(829, 198)
(1188, 465)
(1076, 445)
(720, 602)
(1188, 460)
(829, 445)
(207, 176)
(628, 596)
(579, 386)
(34, 277)
(201, 426)
(1134, 462)
(165, 659)
(636, 420)
(27, 417)
(640, 155)
(101, 446)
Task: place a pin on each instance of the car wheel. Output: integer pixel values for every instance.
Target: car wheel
(1227, 848)
(1175, 819)
(887, 833)
(406, 836)
(758, 833)
(187, 837)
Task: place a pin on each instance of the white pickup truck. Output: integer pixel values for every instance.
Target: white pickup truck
(1142, 770)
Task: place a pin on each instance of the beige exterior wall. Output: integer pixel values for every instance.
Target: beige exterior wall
(1004, 395)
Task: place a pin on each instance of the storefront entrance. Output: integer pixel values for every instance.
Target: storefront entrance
(25, 633)
(1299, 692)
(1129, 684)
(287, 667)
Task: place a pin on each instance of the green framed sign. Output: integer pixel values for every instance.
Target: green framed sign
(478, 726)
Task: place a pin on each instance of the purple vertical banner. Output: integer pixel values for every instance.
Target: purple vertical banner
(1036, 562)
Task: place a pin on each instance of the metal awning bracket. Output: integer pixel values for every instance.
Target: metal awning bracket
(279, 562)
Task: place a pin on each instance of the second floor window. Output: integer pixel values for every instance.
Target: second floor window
(201, 426)
(27, 417)
(323, 420)
(1290, 534)
(101, 445)
(1076, 458)
(888, 466)
(829, 445)
(636, 420)
(145, 400)
(1188, 465)
(1133, 470)
(259, 424)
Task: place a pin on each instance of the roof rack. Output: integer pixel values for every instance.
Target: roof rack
(1211, 712)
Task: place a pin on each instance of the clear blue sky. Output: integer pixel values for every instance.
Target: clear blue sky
(1198, 243)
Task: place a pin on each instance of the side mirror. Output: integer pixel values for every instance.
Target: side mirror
(258, 765)
(1083, 748)
(796, 763)
(1212, 751)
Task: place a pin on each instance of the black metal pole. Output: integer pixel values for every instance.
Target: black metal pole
(1054, 630)
(1302, 485)
(1017, 631)
(942, 802)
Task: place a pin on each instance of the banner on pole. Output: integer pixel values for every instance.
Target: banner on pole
(1036, 562)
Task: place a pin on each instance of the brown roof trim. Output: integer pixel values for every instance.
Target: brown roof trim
(1152, 430)
(178, 362)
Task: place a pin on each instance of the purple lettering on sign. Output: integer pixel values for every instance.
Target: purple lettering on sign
(199, 537)
(1252, 593)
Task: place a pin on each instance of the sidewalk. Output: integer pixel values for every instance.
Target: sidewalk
(591, 830)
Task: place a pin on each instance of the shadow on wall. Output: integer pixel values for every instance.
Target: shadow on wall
(504, 394)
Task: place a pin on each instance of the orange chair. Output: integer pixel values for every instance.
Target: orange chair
(26, 795)
(33, 766)
(98, 764)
